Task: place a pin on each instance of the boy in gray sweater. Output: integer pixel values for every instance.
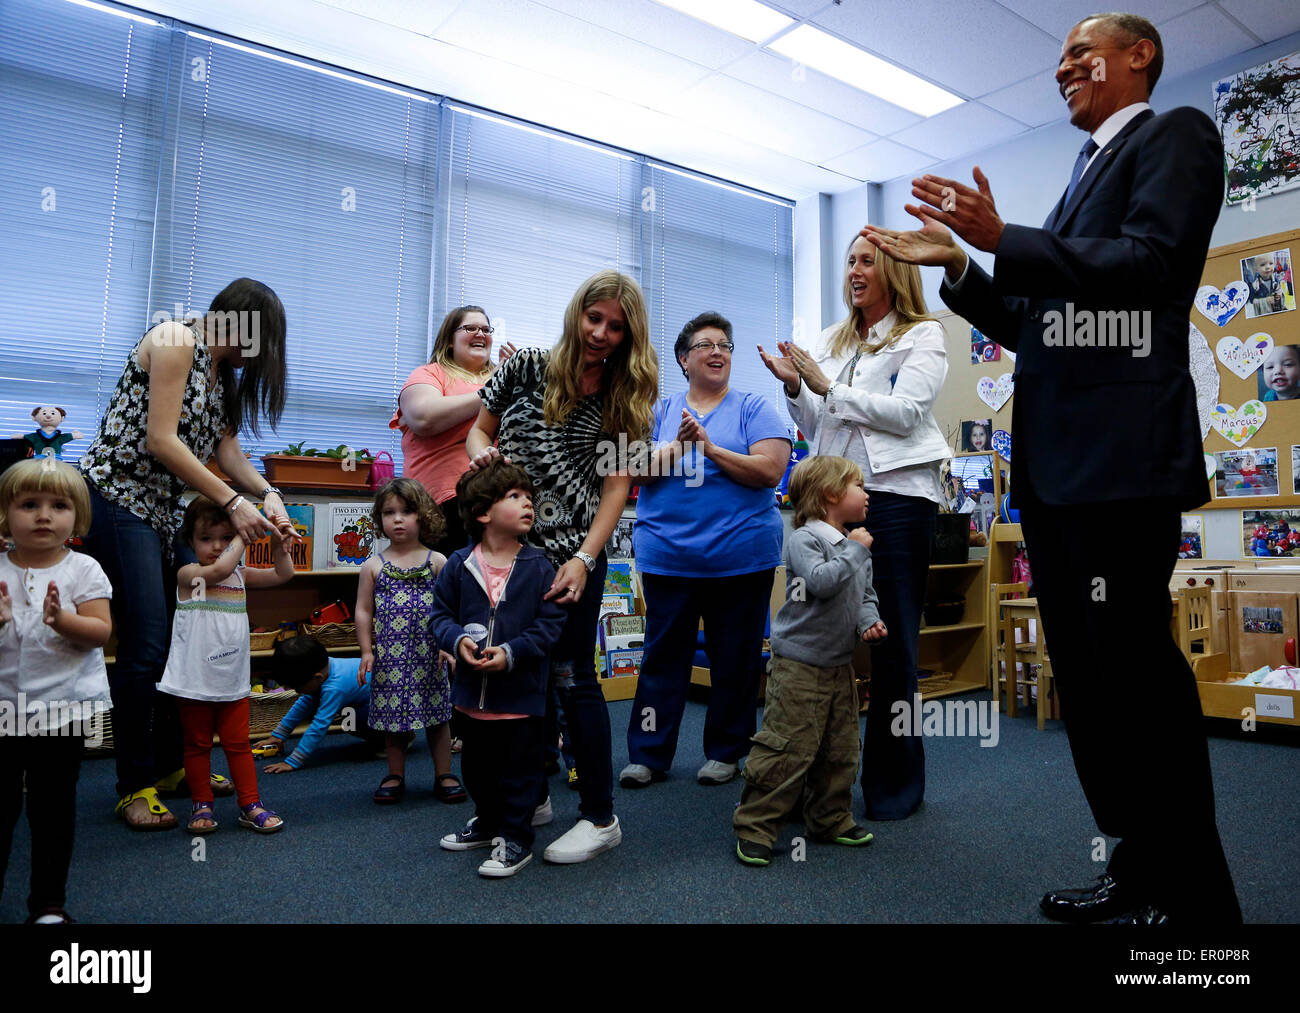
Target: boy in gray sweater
(809, 737)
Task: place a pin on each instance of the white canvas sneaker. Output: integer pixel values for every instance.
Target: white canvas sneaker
(585, 840)
(543, 814)
(716, 772)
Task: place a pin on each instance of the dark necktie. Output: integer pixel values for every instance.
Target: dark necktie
(1080, 163)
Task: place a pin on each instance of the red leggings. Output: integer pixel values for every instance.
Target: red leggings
(199, 718)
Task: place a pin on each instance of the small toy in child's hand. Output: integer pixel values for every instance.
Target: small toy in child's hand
(49, 438)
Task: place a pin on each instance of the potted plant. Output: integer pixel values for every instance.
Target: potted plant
(308, 468)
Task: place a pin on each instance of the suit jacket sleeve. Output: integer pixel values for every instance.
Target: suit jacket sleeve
(1173, 202)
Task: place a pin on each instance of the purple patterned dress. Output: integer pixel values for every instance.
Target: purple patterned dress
(409, 689)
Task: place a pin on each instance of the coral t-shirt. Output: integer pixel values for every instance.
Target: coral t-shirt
(437, 461)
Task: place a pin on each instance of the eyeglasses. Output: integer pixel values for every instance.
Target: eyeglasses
(725, 346)
(485, 329)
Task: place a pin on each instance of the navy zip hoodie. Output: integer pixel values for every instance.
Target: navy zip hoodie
(521, 622)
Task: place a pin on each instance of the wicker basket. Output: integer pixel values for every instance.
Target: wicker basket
(333, 634)
(265, 711)
(263, 641)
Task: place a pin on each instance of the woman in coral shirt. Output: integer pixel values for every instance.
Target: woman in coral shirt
(437, 407)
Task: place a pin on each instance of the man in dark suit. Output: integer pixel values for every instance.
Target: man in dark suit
(1107, 451)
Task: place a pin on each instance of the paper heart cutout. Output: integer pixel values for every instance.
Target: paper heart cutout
(1244, 357)
(1002, 444)
(995, 393)
(1210, 466)
(1237, 425)
(1220, 306)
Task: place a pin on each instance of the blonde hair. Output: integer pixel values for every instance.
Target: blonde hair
(631, 377)
(815, 481)
(444, 345)
(42, 474)
(902, 285)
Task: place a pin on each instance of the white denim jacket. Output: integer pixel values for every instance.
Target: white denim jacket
(888, 406)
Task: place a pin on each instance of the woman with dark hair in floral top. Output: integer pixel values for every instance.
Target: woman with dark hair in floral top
(187, 389)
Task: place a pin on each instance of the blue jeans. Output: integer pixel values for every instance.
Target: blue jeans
(146, 727)
(893, 766)
(573, 675)
(734, 610)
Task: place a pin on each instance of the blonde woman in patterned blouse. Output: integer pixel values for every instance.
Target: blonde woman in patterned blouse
(187, 389)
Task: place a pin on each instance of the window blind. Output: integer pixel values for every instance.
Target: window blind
(81, 118)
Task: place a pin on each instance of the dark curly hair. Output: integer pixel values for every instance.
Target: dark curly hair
(416, 498)
(478, 490)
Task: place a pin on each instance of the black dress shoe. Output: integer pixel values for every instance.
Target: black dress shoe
(1145, 915)
(1105, 899)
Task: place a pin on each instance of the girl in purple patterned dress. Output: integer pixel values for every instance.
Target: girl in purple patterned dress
(409, 689)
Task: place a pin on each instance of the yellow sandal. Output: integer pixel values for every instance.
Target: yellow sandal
(156, 807)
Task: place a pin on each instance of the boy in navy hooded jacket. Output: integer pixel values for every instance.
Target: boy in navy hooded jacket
(489, 614)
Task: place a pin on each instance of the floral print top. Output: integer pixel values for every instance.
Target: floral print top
(119, 464)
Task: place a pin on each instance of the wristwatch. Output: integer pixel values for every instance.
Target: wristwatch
(588, 561)
(270, 488)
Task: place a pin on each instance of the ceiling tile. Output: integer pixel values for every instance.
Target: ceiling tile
(799, 8)
(881, 161)
(1269, 19)
(1198, 38)
(1057, 17)
(969, 127)
(744, 111)
(658, 26)
(1035, 101)
(573, 50)
(825, 94)
(935, 40)
(419, 16)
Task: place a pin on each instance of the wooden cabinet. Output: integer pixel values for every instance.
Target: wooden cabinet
(957, 652)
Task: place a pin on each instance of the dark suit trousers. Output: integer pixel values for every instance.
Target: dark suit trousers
(1128, 697)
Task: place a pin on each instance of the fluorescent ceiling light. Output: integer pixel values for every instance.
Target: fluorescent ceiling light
(857, 67)
(747, 18)
(115, 11)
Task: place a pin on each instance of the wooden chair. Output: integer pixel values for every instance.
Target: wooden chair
(998, 593)
(1020, 642)
(1194, 622)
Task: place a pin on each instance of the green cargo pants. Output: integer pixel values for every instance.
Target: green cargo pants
(809, 738)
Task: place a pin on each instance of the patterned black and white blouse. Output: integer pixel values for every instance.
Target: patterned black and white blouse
(119, 464)
(560, 461)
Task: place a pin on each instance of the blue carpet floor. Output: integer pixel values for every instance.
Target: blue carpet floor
(1000, 825)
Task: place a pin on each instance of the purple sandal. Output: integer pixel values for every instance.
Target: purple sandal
(201, 811)
(259, 822)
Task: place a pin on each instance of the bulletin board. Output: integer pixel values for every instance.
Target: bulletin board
(1281, 423)
(960, 398)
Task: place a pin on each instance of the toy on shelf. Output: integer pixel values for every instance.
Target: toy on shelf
(49, 437)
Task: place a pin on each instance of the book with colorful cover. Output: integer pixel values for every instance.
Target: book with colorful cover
(352, 534)
(624, 663)
(620, 578)
(261, 555)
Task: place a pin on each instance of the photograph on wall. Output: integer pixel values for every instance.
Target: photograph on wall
(983, 349)
(977, 436)
(1190, 545)
(1260, 619)
(970, 488)
(1278, 376)
(1271, 282)
(1255, 111)
(1270, 533)
(1245, 471)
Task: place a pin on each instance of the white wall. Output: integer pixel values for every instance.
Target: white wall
(1028, 174)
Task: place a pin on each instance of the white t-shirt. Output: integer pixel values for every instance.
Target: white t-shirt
(209, 657)
(50, 671)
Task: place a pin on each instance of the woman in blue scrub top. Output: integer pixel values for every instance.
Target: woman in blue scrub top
(707, 541)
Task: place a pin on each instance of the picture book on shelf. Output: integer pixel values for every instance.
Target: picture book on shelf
(352, 534)
(620, 578)
(261, 555)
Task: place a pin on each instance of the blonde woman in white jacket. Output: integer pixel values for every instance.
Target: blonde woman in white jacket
(864, 391)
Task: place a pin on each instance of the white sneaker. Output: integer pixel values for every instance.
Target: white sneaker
(543, 814)
(636, 775)
(716, 772)
(585, 840)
